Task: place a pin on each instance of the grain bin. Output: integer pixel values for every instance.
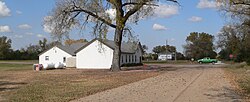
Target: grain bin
(48, 66)
(59, 65)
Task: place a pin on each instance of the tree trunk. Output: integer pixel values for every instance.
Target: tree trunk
(116, 66)
(120, 24)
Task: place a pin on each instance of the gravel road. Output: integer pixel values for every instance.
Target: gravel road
(182, 85)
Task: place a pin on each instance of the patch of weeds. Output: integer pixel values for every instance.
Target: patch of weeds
(66, 85)
(242, 73)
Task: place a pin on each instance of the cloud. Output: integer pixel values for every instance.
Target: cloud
(195, 19)
(46, 27)
(159, 27)
(111, 13)
(24, 26)
(4, 10)
(19, 12)
(29, 33)
(5, 29)
(40, 36)
(208, 4)
(166, 11)
(110, 29)
(18, 36)
(172, 40)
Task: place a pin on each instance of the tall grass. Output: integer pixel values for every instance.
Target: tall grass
(242, 73)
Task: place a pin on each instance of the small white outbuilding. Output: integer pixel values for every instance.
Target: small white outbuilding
(59, 54)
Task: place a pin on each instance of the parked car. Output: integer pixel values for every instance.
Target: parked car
(207, 60)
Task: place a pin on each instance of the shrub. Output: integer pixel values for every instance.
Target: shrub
(248, 61)
(131, 64)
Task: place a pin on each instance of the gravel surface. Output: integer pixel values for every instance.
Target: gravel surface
(182, 85)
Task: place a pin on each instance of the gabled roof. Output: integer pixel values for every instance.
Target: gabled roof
(127, 47)
(70, 49)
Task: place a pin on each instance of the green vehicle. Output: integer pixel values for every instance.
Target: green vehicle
(207, 60)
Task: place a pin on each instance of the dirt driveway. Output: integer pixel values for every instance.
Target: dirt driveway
(182, 85)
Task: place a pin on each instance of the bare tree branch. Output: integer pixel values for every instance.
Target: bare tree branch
(134, 3)
(240, 3)
(132, 11)
(95, 16)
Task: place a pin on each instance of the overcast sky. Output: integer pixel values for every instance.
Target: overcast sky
(22, 21)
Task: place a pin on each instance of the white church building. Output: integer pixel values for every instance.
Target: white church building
(96, 54)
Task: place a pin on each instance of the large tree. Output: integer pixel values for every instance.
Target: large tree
(229, 40)
(5, 47)
(69, 14)
(237, 35)
(199, 45)
(234, 39)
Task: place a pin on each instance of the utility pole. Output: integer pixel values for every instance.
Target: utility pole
(166, 50)
(175, 58)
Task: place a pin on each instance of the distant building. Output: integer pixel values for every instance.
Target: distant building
(165, 56)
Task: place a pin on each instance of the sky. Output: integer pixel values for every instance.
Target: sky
(22, 22)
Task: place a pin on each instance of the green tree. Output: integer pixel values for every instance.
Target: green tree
(144, 48)
(199, 45)
(164, 49)
(230, 42)
(234, 40)
(69, 14)
(53, 43)
(238, 36)
(5, 47)
(43, 44)
(180, 56)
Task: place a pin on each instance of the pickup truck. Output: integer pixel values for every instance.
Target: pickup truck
(207, 60)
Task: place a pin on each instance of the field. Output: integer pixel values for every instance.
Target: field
(19, 61)
(18, 82)
(240, 77)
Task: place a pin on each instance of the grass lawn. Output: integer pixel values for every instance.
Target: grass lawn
(241, 77)
(19, 61)
(20, 83)
(14, 67)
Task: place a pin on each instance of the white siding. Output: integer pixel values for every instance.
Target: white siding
(55, 55)
(122, 61)
(125, 58)
(165, 57)
(71, 62)
(138, 55)
(131, 58)
(94, 56)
